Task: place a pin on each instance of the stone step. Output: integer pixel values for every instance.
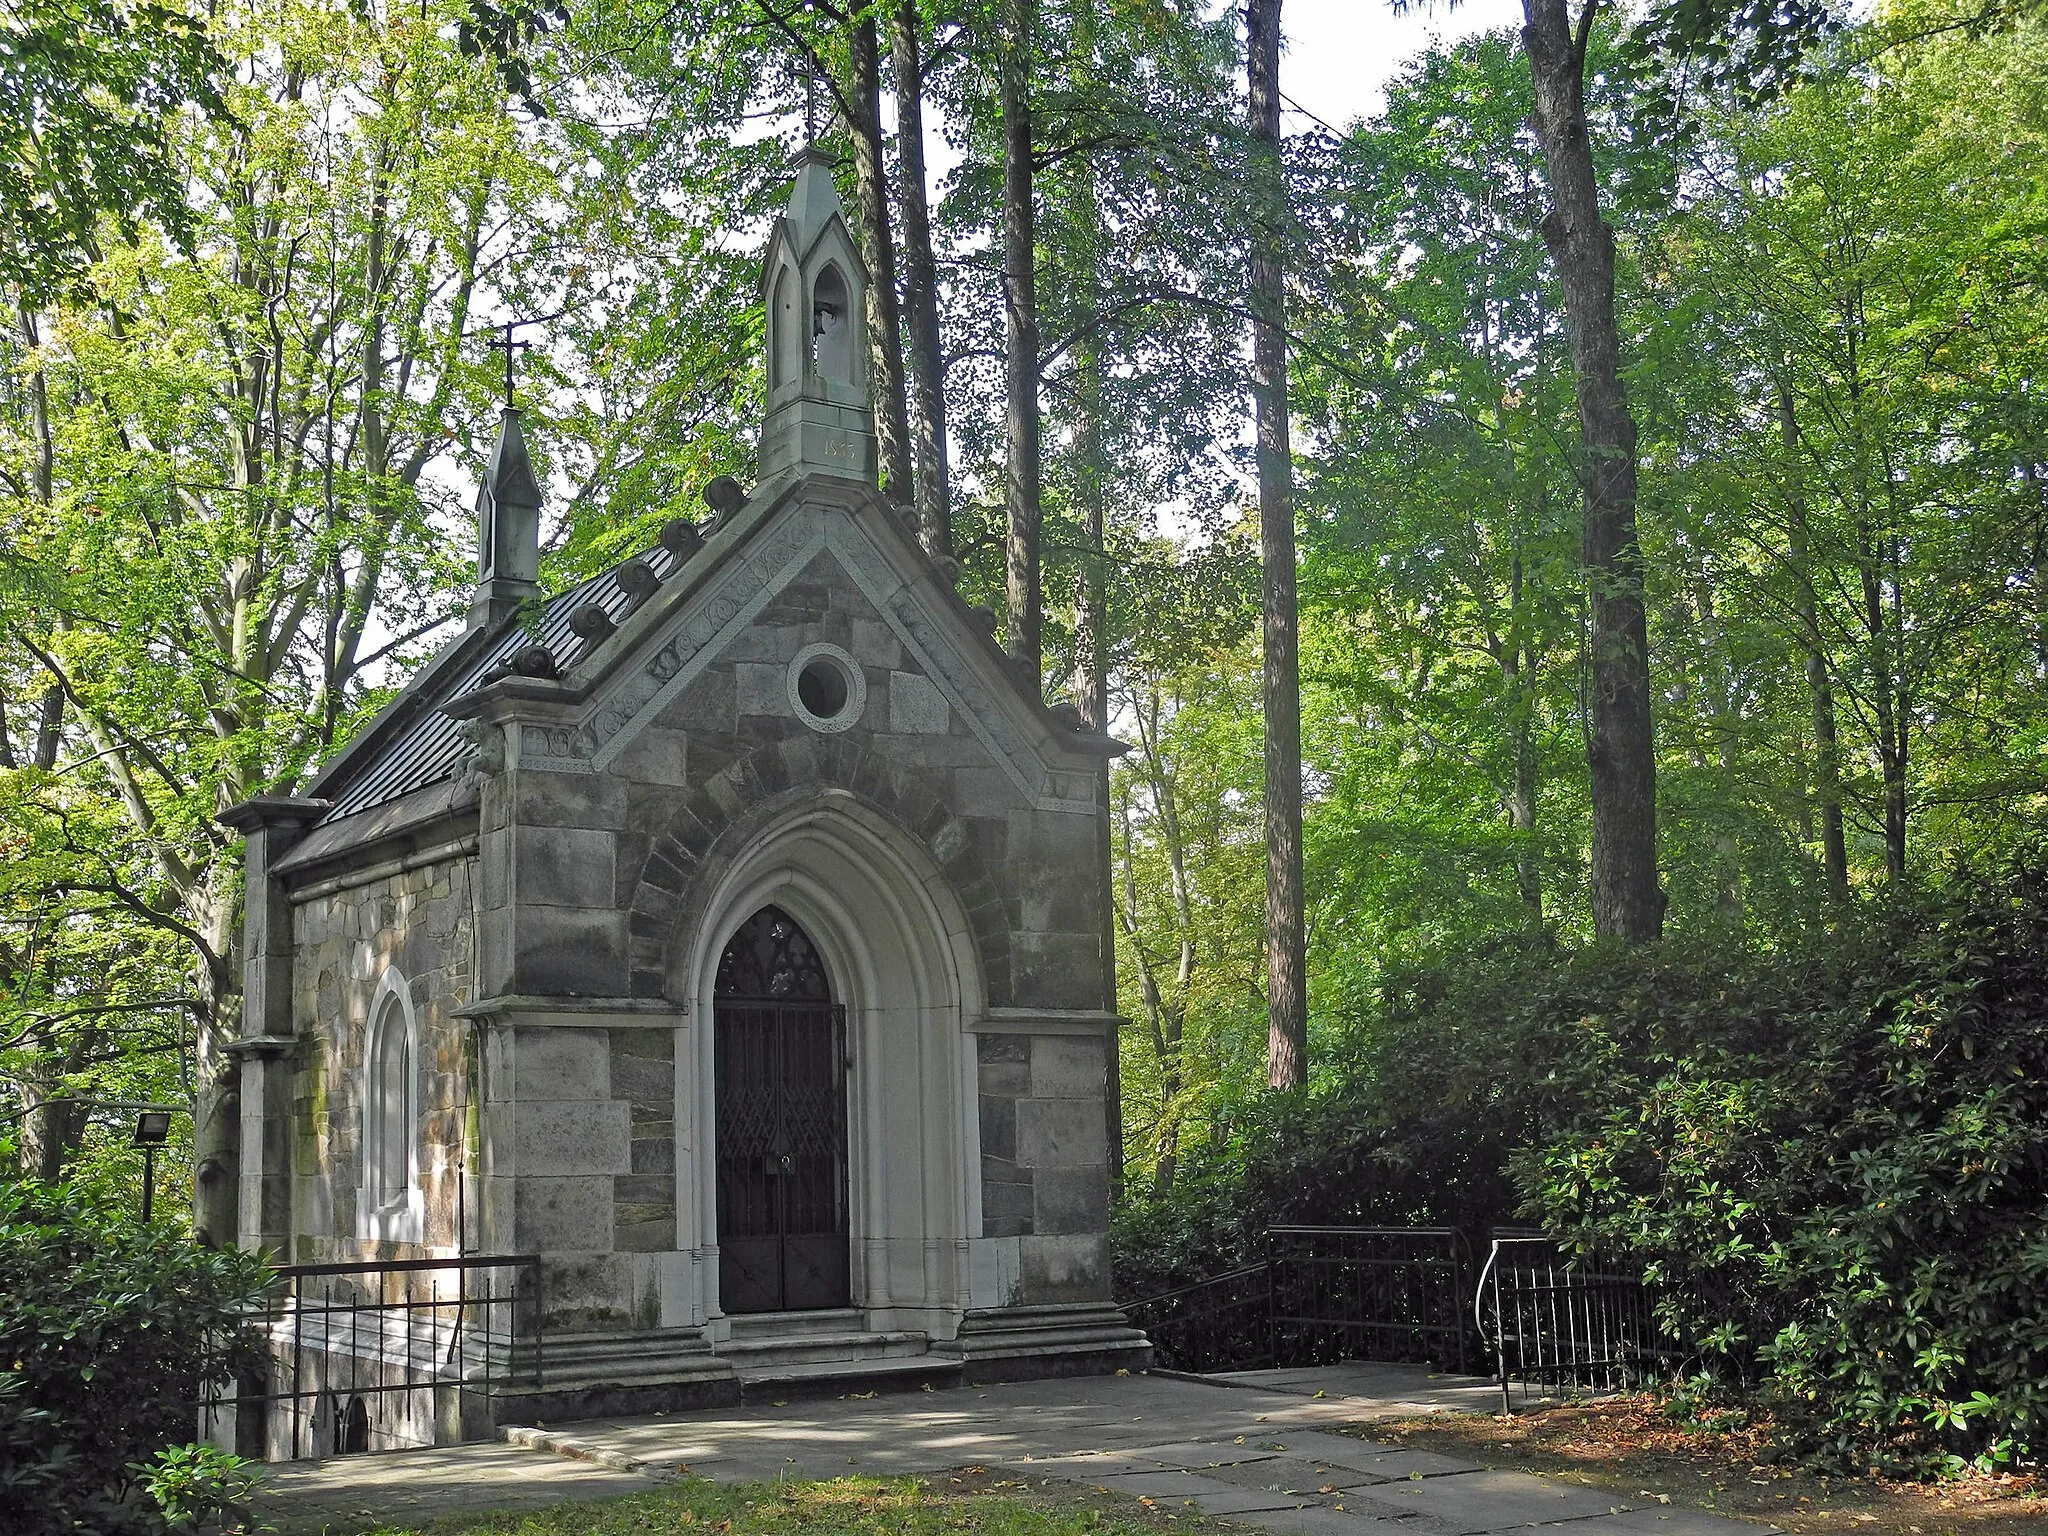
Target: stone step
(839, 1378)
(751, 1356)
(785, 1325)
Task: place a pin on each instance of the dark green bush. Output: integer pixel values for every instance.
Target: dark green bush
(1834, 1165)
(1831, 1159)
(107, 1329)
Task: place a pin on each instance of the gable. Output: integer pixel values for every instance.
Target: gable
(806, 540)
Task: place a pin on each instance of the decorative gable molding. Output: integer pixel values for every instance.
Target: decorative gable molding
(711, 619)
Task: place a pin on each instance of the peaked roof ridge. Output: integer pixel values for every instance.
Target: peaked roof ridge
(412, 744)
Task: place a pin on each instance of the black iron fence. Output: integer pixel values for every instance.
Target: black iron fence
(371, 1356)
(1322, 1294)
(1555, 1325)
(1544, 1323)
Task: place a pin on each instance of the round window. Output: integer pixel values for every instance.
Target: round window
(826, 688)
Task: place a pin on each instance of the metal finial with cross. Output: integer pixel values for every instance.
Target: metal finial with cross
(508, 346)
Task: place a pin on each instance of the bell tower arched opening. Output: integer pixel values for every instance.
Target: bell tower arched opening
(779, 1065)
(832, 327)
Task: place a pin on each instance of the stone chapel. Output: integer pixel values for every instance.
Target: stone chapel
(729, 931)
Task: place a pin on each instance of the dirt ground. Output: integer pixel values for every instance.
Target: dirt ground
(1629, 1446)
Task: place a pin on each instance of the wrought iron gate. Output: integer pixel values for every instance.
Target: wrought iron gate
(781, 1094)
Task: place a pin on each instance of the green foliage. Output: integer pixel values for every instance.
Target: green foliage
(1834, 1166)
(108, 1329)
(87, 91)
(201, 1488)
(1830, 1159)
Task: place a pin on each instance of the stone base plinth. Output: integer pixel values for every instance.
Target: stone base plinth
(1020, 1343)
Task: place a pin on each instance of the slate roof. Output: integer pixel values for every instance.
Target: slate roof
(431, 749)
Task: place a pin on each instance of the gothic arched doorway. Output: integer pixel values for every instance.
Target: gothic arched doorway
(780, 1044)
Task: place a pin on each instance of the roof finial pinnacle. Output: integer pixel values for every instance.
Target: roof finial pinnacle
(508, 346)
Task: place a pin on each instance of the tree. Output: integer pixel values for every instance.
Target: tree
(926, 368)
(1620, 748)
(1023, 578)
(89, 90)
(1286, 927)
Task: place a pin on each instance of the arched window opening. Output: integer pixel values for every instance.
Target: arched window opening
(784, 331)
(391, 1203)
(832, 327)
(772, 958)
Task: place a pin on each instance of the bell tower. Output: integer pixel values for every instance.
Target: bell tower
(820, 419)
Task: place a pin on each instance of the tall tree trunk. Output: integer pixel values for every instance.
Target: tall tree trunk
(1518, 675)
(1020, 325)
(878, 251)
(1627, 902)
(1827, 753)
(927, 368)
(1286, 928)
(217, 1110)
(1091, 640)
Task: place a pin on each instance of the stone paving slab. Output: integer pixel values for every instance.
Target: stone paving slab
(1387, 1391)
(348, 1491)
(1473, 1502)
(1256, 1453)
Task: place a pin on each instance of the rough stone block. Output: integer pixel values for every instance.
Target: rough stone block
(570, 951)
(763, 688)
(1061, 1133)
(873, 642)
(644, 1079)
(554, 1064)
(566, 866)
(546, 799)
(916, 707)
(1005, 1079)
(656, 756)
(587, 1290)
(1002, 1047)
(556, 1215)
(653, 1154)
(1068, 1067)
(644, 1229)
(979, 788)
(1006, 1198)
(1058, 970)
(1069, 1200)
(645, 1189)
(1073, 1267)
(571, 1138)
(999, 1127)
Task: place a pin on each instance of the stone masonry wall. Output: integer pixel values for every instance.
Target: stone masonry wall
(580, 1121)
(418, 921)
(1045, 1160)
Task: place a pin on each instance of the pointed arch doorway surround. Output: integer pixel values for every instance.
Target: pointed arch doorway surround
(780, 1063)
(898, 954)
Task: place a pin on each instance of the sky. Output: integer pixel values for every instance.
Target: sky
(1339, 54)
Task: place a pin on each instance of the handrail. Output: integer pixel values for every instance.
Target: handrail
(1238, 1273)
(405, 1266)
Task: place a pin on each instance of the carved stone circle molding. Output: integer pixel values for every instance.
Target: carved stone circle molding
(856, 684)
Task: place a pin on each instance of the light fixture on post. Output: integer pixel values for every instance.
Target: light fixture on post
(152, 1130)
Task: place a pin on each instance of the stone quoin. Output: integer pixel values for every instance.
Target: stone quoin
(728, 931)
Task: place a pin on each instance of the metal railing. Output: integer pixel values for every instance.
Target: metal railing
(1322, 1294)
(1557, 1325)
(424, 1340)
(1373, 1293)
(1219, 1323)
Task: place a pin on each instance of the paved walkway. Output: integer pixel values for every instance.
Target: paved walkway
(1257, 1449)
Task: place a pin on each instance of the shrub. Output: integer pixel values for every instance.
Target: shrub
(1834, 1166)
(1831, 1159)
(107, 1330)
